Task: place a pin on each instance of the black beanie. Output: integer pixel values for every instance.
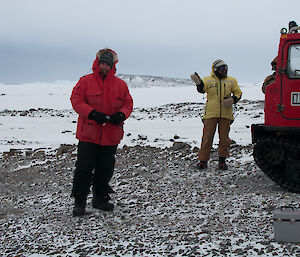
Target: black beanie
(107, 57)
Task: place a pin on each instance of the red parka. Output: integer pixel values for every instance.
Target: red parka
(108, 96)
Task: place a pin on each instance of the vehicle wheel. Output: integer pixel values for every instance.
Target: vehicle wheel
(274, 154)
(293, 175)
(269, 155)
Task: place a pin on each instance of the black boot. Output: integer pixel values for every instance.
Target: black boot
(102, 203)
(222, 163)
(79, 207)
(201, 165)
(110, 190)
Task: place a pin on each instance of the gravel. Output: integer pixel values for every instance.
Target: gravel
(164, 206)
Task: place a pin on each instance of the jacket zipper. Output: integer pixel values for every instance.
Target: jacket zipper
(101, 126)
(220, 98)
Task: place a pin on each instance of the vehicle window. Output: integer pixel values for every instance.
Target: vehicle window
(294, 61)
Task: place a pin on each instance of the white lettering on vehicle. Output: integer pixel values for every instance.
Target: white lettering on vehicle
(295, 98)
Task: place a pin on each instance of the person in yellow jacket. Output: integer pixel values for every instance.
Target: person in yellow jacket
(222, 92)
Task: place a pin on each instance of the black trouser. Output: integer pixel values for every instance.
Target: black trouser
(94, 165)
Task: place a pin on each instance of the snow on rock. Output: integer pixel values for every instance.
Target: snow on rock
(164, 206)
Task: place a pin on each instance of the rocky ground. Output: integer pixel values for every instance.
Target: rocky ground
(164, 206)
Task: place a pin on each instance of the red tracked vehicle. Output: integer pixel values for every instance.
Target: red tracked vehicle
(277, 141)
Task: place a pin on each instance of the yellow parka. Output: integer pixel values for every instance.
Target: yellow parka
(217, 90)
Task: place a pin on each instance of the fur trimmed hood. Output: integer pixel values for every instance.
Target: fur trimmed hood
(99, 54)
(102, 51)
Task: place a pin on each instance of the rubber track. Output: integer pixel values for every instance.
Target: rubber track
(267, 148)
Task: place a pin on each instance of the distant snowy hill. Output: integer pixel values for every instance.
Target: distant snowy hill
(150, 81)
(134, 81)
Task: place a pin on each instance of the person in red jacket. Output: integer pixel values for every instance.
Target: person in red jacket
(103, 102)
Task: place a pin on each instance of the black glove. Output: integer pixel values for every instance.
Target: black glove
(117, 118)
(235, 99)
(99, 117)
(200, 87)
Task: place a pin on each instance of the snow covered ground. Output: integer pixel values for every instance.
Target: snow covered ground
(40, 114)
(164, 206)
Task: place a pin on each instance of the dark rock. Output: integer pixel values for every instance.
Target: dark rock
(179, 145)
(65, 148)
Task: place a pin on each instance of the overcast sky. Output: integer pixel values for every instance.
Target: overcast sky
(49, 40)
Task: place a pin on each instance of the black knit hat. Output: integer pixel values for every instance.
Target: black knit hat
(107, 57)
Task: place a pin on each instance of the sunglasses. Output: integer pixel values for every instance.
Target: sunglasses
(222, 68)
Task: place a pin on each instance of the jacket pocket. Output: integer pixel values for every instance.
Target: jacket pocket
(119, 134)
(115, 133)
(90, 129)
(212, 90)
(227, 90)
(117, 103)
(94, 97)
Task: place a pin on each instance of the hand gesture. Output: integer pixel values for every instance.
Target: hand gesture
(196, 78)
